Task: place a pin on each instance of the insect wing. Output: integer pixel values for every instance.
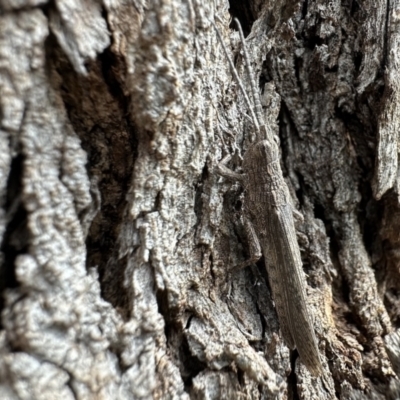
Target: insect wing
(292, 287)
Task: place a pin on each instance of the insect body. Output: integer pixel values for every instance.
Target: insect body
(269, 224)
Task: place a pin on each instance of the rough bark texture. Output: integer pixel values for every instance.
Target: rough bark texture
(118, 236)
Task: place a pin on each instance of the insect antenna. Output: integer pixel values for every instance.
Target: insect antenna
(254, 91)
(238, 80)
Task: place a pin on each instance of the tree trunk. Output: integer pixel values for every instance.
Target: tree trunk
(119, 239)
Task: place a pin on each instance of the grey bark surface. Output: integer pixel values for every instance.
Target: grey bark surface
(118, 236)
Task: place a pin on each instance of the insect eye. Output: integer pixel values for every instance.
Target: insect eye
(266, 149)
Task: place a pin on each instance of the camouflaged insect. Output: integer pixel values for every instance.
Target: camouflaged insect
(269, 224)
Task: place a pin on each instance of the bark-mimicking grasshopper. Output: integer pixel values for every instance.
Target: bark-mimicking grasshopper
(269, 224)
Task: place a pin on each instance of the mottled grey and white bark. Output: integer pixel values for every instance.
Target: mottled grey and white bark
(117, 235)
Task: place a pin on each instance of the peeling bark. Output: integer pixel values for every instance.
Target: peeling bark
(118, 237)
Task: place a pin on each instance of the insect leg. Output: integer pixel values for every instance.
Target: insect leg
(224, 171)
(254, 245)
(297, 215)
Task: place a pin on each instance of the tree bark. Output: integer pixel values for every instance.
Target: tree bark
(118, 236)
